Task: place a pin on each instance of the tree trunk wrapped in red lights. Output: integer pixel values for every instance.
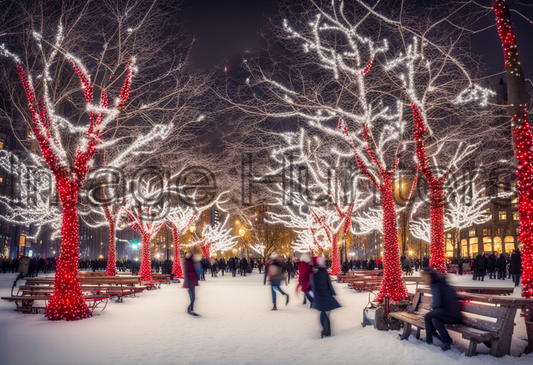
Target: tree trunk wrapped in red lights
(437, 258)
(206, 248)
(146, 269)
(176, 265)
(111, 218)
(522, 139)
(67, 301)
(148, 229)
(392, 285)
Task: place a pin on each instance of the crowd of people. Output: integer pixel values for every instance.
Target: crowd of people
(36, 265)
(313, 277)
(499, 268)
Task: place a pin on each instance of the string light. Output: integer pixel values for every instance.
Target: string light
(67, 301)
(318, 225)
(180, 219)
(216, 238)
(436, 194)
(523, 145)
(148, 228)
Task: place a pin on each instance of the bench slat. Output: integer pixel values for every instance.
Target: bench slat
(470, 333)
(482, 324)
(483, 310)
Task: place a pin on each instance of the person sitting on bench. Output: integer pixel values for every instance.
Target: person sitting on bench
(446, 308)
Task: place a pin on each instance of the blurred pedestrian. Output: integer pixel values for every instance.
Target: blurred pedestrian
(289, 267)
(305, 270)
(243, 266)
(446, 308)
(274, 271)
(515, 268)
(407, 266)
(190, 278)
(501, 264)
(491, 266)
(323, 294)
(481, 261)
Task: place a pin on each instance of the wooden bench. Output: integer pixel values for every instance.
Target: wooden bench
(113, 286)
(487, 319)
(91, 273)
(163, 278)
(417, 280)
(373, 283)
(26, 304)
(369, 284)
(112, 291)
(480, 290)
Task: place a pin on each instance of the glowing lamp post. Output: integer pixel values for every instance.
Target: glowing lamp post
(242, 233)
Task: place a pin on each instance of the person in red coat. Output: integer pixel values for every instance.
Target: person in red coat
(305, 270)
(190, 279)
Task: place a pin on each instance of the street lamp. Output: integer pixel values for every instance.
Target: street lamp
(242, 232)
(192, 229)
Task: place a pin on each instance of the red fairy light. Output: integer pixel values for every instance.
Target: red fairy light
(392, 285)
(436, 195)
(67, 301)
(368, 67)
(523, 145)
(176, 265)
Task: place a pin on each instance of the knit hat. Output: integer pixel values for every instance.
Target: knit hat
(305, 258)
(319, 261)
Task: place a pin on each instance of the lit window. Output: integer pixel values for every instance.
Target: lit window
(472, 233)
(502, 215)
(517, 231)
(486, 231)
(1, 179)
(1, 145)
(514, 203)
(515, 216)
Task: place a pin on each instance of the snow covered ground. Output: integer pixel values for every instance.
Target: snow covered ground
(236, 326)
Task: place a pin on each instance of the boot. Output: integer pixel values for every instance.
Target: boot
(305, 300)
(287, 301)
(274, 308)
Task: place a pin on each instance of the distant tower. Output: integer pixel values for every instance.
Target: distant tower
(214, 216)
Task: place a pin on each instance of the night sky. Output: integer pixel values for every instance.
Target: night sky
(225, 28)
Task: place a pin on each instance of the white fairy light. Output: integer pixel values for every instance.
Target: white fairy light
(217, 238)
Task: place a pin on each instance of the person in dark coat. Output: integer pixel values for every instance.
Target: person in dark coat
(491, 266)
(244, 266)
(190, 279)
(323, 293)
(222, 265)
(345, 267)
(274, 271)
(446, 308)
(305, 270)
(481, 262)
(515, 268)
(289, 268)
(501, 263)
